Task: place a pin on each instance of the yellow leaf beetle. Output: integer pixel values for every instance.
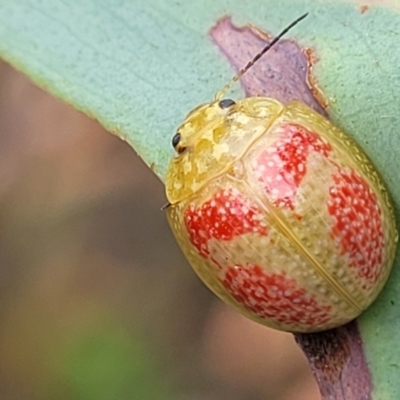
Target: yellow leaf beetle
(279, 212)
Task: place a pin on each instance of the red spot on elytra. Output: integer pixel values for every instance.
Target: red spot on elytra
(282, 167)
(226, 215)
(274, 296)
(358, 223)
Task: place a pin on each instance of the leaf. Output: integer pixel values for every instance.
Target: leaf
(139, 67)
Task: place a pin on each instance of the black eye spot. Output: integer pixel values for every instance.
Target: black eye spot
(226, 103)
(176, 139)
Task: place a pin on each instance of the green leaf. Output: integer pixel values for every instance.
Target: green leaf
(139, 67)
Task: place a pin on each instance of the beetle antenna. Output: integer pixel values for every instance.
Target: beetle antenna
(276, 39)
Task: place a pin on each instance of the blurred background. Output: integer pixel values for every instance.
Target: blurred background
(97, 301)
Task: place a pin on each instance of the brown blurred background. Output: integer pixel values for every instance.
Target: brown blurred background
(97, 301)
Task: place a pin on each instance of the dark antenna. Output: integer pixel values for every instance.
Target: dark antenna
(222, 92)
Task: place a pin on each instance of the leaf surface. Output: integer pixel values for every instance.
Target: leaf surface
(139, 67)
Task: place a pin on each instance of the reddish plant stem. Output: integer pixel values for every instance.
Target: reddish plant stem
(336, 356)
(337, 360)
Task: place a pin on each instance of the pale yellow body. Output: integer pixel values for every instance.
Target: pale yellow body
(218, 148)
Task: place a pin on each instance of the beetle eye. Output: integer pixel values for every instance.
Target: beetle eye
(226, 103)
(176, 139)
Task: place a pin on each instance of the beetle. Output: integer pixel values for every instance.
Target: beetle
(279, 212)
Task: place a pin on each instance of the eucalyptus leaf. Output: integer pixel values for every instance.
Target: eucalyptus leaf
(139, 67)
